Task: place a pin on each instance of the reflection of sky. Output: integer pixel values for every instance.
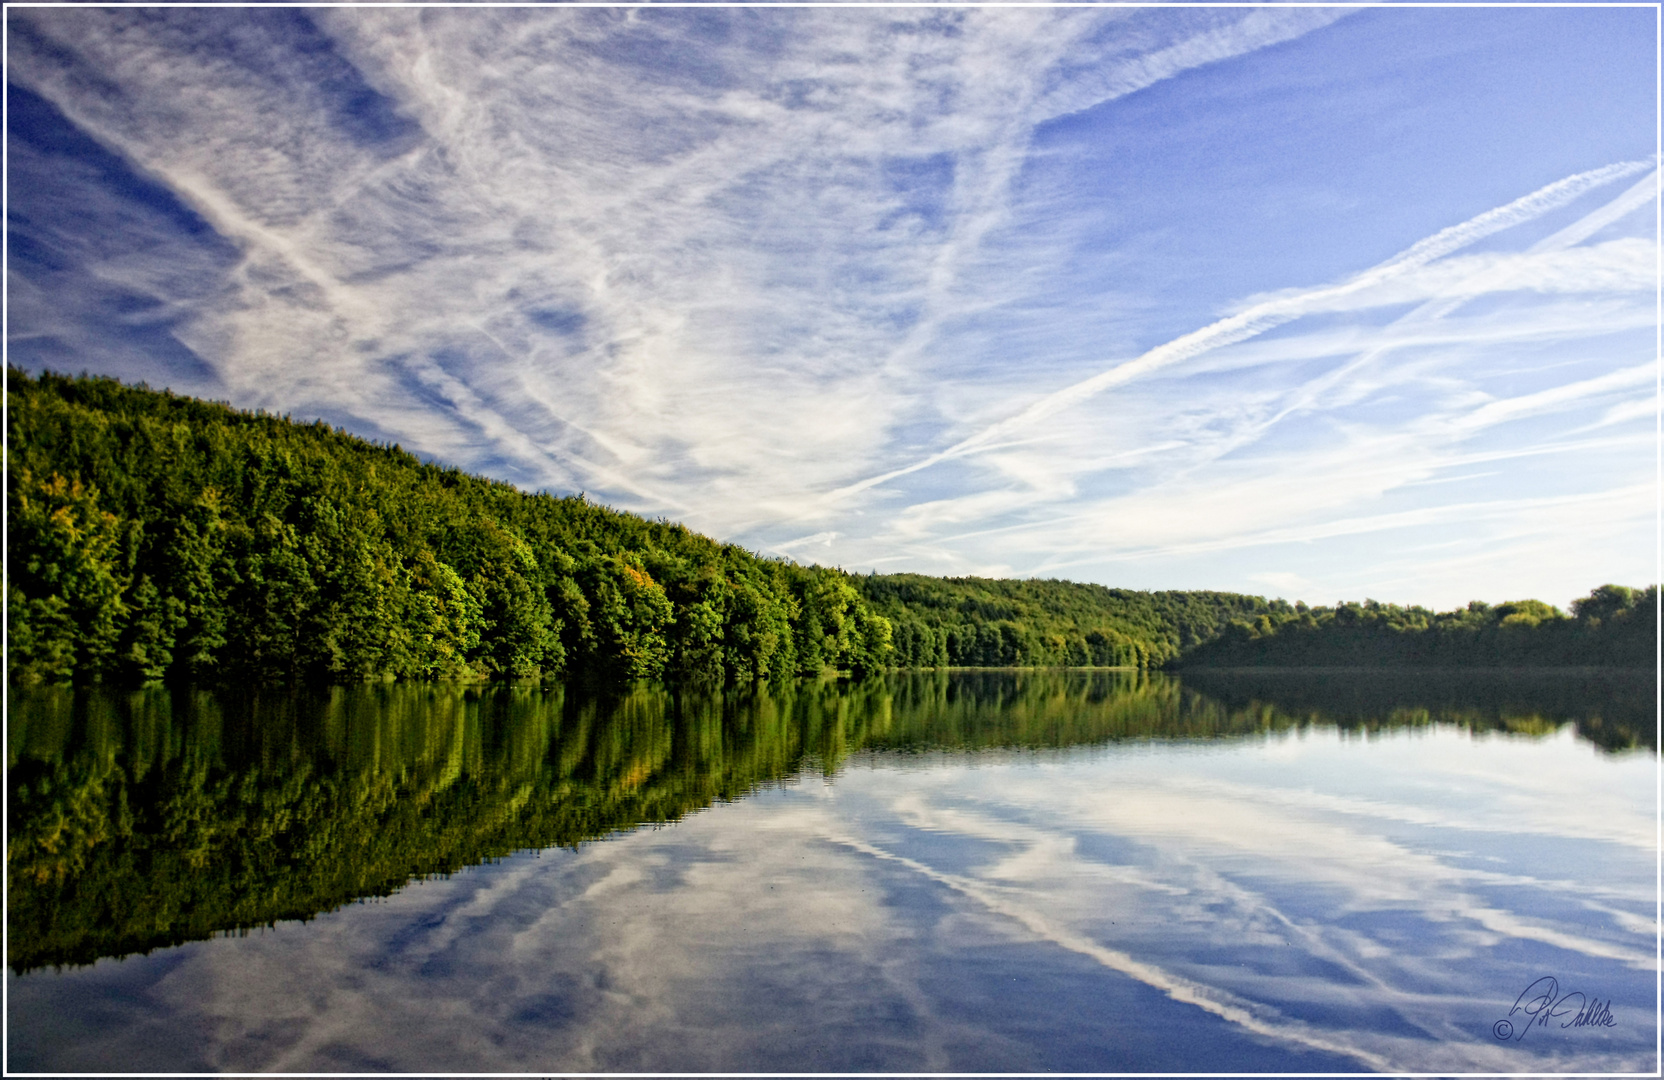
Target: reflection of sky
(1304, 902)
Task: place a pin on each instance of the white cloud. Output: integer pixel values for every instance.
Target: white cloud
(1341, 449)
(726, 265)
(739, 294)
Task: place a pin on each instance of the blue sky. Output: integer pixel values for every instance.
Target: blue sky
(1306, 302)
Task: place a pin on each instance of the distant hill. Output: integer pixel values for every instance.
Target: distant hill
(155, 536)
(1614, 626)
(982, 622)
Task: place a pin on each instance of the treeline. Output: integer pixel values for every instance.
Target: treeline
(982, 622)
(1614, 626)
(154, 536)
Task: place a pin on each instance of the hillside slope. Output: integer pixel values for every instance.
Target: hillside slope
(1614, 626)
(153, 536)
(156, 536)
(983, 622)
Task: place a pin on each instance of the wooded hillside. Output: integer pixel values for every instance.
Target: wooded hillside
(156, 536)
(153, 536)
(982, 622)
(1614, 626)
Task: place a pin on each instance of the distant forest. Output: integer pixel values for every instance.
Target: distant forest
(982, 622)
(1613, 626)
(155, 537)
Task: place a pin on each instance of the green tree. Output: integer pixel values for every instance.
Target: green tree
(629, 614)
(65, 609)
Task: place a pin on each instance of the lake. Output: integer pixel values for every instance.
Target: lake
(971, 871)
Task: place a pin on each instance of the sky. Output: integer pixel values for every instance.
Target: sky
(1319, 303)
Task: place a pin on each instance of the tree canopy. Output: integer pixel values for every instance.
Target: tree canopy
(1614, 626)
(155, 536)
(983, 622)
(159, 537)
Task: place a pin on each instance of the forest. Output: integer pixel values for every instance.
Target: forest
(982, 622)
(154, 537)
(158, 537)
(1614, 626)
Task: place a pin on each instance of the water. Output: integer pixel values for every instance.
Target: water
(1079, 871)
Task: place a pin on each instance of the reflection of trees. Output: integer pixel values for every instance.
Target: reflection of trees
(142, 820)
(146, 819)
(1612, 707)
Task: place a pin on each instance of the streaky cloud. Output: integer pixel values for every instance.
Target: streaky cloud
(1269, 313)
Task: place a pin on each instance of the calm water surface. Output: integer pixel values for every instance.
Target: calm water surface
(1080, 871)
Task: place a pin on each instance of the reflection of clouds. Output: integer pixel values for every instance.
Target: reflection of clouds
(1185, 991)
(1271, 892)
(1240, 861)
(1591, 817)
(657, 950)
(1370, 872)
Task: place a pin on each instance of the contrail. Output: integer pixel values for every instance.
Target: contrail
(1267, 314)
(1578, 231)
